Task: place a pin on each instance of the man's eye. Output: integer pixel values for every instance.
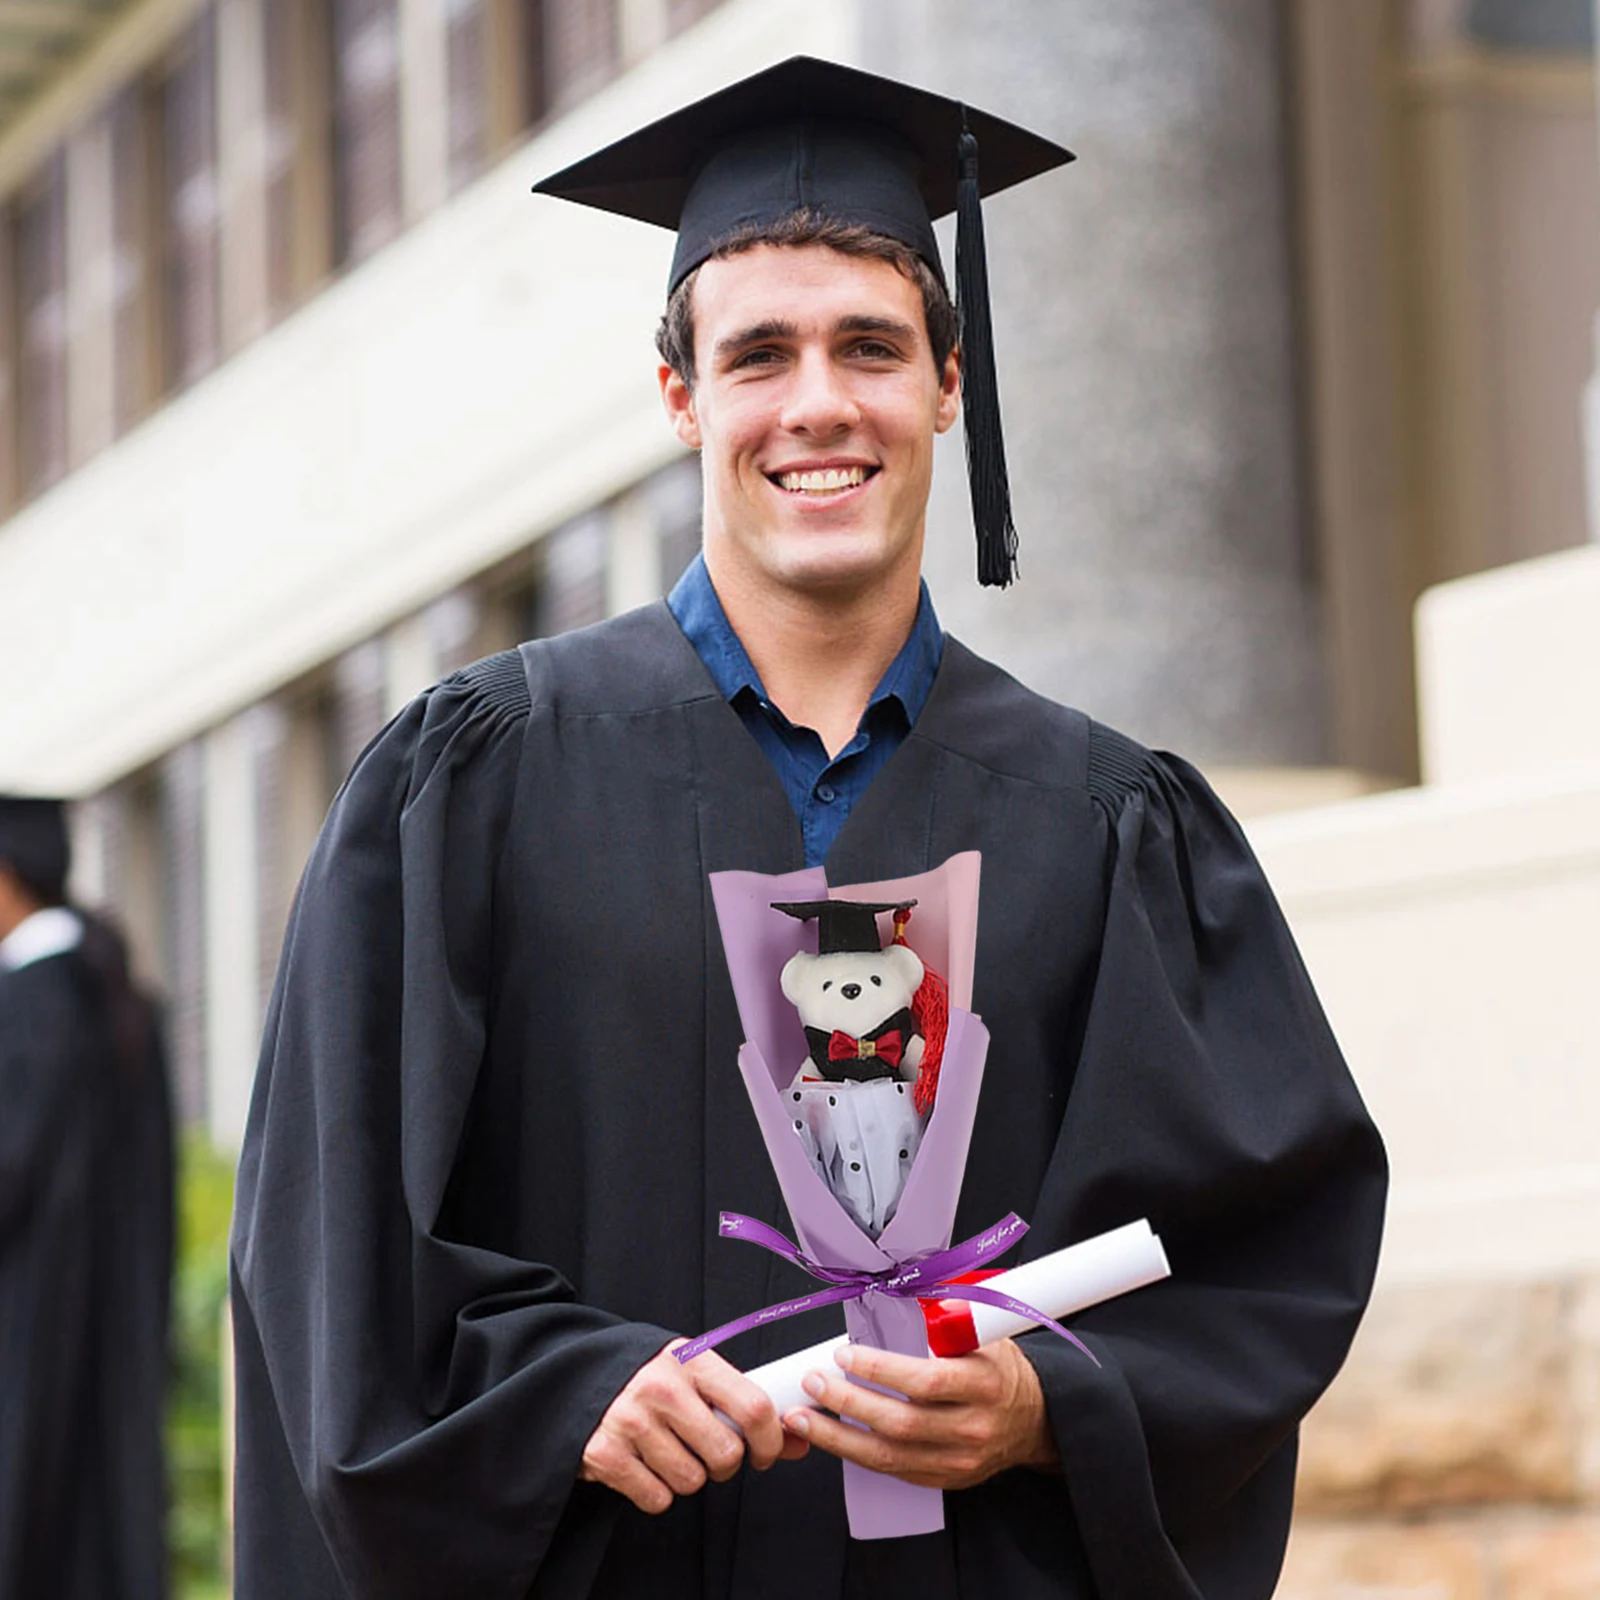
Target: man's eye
(756, 358)
(876, 350)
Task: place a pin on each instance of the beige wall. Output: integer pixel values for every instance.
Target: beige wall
(1454, 932)
(1510, 666)
(1453, 936)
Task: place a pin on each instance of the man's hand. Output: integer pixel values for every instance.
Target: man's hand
(660, 1437)
(964, 1418)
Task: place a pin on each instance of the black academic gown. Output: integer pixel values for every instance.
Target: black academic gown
(85, 1266)
(498, 1111)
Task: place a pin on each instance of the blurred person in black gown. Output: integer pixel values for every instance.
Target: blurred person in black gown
(86, 1238)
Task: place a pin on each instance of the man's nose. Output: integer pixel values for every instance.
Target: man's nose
(819, 402)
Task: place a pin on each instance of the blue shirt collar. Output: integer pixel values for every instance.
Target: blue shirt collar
(694, 603)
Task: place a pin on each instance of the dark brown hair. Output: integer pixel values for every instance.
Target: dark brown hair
(675, 335)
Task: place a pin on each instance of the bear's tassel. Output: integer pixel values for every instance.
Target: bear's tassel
(930, 1005)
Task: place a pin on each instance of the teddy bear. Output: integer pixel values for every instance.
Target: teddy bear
(853, 1100)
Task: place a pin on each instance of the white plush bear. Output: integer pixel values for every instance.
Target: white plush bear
(862, 993)
(852, 1100)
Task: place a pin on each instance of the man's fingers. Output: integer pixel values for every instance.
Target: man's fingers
(659, 1438)
(794, 1447)
(726, 1388)
(953, 1380)
(612, 1463)
(887, 1415)
(672, 1399)
(967, 1419)
(707, 1436)
(914, 1462)
(668, 1460)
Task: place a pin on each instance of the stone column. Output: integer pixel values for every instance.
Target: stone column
(1145, 335)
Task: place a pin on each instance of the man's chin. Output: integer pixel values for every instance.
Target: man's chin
(826, 562)
(834, 572)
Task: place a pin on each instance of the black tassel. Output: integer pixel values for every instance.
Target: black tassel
(980, 389)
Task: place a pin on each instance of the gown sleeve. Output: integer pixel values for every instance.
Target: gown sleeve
(433, 1398)
(1211, 1097)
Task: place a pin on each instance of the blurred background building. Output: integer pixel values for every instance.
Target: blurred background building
(304, 402)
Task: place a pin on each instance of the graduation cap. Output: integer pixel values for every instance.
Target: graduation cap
(842, 924)
(33, 844)
(812, 135)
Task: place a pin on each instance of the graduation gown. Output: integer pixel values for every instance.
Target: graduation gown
(498, 1111)
(85, 1266)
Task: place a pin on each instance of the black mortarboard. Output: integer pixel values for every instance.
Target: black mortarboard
(33, 844)
(843, 924)
(812, 135)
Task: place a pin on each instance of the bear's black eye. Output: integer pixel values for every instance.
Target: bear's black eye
(877, 980)
(827, 986)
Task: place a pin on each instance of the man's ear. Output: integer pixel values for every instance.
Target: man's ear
(949, 393)
(678, 398)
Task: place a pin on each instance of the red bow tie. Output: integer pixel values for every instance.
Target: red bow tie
(886, 1047)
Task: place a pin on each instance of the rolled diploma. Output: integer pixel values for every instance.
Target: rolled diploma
(1058, 1284)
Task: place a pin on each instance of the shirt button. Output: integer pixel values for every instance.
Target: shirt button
(825, 793)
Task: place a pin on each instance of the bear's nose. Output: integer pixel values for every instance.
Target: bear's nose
(850, 990)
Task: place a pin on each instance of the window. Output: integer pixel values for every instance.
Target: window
(681, 13)
(366, 125)
(183, 923)
(191, 203)
(297, 70)
(467, 64)
(580, 49)
(567, 49)
(674, 496)
(356, 706)
(294, 784)
(41, 268)
(572, 586)
(134, 879)
(135, 333)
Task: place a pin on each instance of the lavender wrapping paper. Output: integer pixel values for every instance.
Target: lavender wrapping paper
(757, 941)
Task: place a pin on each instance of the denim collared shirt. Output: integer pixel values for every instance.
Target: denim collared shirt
(821, 791)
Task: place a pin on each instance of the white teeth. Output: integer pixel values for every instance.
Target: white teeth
(828, 481)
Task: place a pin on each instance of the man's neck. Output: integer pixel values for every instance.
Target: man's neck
(820, 654)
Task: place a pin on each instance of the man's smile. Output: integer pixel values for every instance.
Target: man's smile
(823, 480)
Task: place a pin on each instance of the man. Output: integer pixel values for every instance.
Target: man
(85, 1241)
(498, 1110)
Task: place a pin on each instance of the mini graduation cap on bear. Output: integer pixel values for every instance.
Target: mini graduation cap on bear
(843, 924)
(811, 135)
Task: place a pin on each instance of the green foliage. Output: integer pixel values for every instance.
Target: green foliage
(197, 1524)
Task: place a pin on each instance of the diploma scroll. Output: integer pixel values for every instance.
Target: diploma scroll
(1059, 1284)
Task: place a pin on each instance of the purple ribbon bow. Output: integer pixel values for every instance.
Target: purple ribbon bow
(927, 1279)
